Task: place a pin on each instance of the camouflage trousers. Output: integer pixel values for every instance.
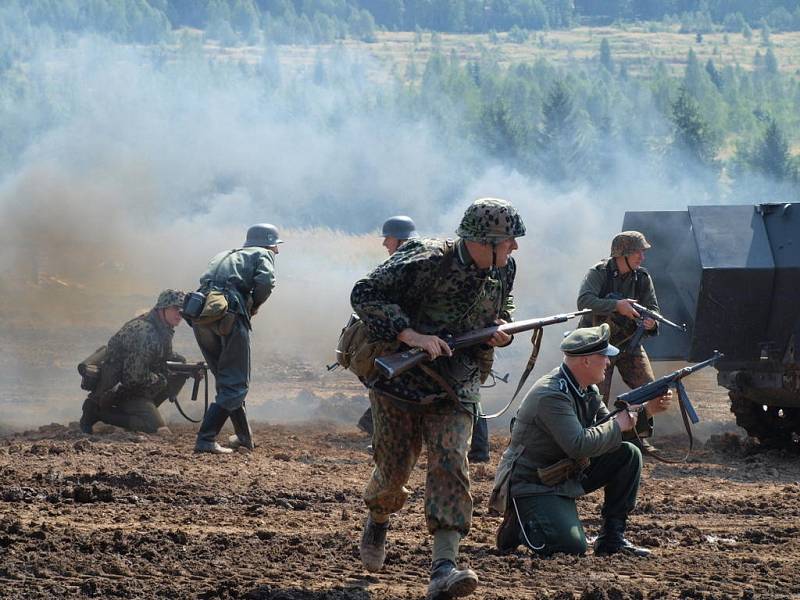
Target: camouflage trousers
(397, 443)
(133, 411)
(634, 368)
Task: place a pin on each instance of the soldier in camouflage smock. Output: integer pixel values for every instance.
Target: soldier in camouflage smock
(425, 291)
(622, 277)
(134, 370)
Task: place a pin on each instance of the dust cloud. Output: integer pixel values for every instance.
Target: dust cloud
(138, 169)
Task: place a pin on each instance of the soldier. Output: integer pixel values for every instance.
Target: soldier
(557, 426)
(134, 373)
(395, 232)
(246, 277)
(428, 289)
(623, 277)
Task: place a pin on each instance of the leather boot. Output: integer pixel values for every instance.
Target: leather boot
(244, 435)
(612, 540)
(209, 429)
(373, 545)
(89, 416)
(508, 534)
(449, 582)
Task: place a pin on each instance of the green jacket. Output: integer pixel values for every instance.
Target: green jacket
(435, 291)
(556, 420)
(604, 278)
(247, 274)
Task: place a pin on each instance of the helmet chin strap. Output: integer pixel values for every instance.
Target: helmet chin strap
(627, 264)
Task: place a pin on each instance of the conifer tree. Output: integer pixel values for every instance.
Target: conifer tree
(605, 56)
(693, 143)
(560, 151)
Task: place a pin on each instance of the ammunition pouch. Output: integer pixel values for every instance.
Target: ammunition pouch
(90, 369)
(559, 472)
(357, 353)
(484, 356)
(193, 304)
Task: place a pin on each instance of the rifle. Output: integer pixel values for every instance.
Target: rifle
(635, 399)
(199, 371)
(393, 365)
(644, 313)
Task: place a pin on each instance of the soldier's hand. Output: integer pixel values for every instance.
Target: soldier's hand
(649, 323)
(660, 404)
(626, 419)
(500, 338)
(625, 308)
(432, 344)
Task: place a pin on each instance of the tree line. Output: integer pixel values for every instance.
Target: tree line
(322, 21)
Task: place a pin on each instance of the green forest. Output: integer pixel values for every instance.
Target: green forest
(727, 125)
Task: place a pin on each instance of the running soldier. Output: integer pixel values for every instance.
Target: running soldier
(246, 277)
(426, 290)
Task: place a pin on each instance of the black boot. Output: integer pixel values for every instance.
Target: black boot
(244, 435)
(212, 424)
(449, 582)
(612, 540)
(89, 416)
(508, 536)
(373, 545)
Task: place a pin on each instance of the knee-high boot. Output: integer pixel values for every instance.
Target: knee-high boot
(209, 429)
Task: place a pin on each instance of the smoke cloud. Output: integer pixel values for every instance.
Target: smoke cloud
(140, 165)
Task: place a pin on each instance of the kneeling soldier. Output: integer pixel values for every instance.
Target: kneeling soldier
(559, 451)
(134, 380)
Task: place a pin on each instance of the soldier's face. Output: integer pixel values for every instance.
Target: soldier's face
(636, 259)
(503, 250)
(596, 365)
(391, 244)
(172, 315)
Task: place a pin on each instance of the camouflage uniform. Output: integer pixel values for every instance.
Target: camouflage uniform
(435, 288)
(136, 361)
(247, 277)
(603, 279)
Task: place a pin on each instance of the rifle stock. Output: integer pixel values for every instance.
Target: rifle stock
(393, 365)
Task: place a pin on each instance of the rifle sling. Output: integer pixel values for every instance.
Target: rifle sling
(536, 341)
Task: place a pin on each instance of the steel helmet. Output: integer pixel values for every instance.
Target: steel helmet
(400, 227)
(262, 234)
(488, 220)
(628, 242)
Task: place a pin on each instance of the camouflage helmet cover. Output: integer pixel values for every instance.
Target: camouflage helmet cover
(169, 298)
(627, 243)
(488, 220)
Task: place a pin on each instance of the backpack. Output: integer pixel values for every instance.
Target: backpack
(356, 353)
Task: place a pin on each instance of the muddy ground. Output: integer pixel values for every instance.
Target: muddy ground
(123, 515)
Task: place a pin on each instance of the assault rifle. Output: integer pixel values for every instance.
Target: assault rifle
(199, 371)
(635, 399)
(393, 365)
(644, 313)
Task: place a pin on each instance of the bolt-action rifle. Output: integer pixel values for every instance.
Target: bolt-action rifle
(393, 365)
(199, 371)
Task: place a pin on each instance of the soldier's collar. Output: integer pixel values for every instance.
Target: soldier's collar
(463, 254)
(570, 382)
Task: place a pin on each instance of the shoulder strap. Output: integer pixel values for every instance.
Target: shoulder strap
(608, 284)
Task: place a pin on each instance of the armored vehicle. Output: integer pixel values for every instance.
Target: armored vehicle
(732, 274)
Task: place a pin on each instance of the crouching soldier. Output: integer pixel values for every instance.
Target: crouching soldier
(133, 379)
(560, 450)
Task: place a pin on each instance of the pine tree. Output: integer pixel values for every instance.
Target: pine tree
(693, 144)
(771, 156)
(605, 56)
(560, 148)
(713, 74)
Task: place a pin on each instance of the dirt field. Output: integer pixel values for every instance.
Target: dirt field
(125, 515)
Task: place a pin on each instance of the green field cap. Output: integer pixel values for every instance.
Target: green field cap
(589, 340)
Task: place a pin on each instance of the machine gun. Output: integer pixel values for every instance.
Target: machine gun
(644, 313)
(393, 365)
(199, 371)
